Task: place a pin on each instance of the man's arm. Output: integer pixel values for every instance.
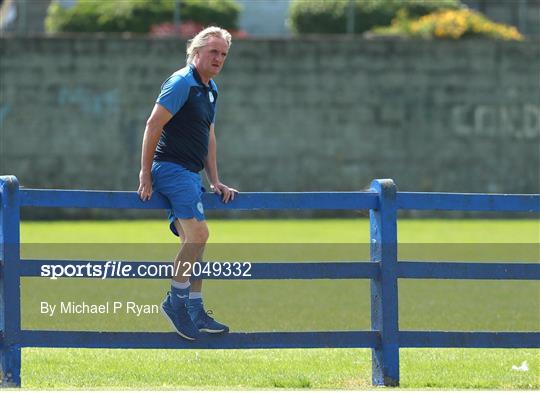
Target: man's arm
(210, 166)
(154, 127)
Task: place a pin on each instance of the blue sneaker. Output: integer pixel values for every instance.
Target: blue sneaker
(205, 323)
(179, 319)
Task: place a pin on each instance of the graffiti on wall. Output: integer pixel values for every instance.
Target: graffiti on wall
(516, 121)
(4, 110)
(89, 101)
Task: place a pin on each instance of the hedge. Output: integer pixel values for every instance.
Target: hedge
(137, 16)
(330, 16)
(449, 24)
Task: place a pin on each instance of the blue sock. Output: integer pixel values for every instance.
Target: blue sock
(179, 295)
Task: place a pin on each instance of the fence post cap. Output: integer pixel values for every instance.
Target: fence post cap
(383, 185)
(9, 182)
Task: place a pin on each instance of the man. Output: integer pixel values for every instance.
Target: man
(179, 141)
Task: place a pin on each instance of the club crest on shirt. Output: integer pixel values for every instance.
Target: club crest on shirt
(211, 96)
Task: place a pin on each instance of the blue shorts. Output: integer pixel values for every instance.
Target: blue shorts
(182, 188)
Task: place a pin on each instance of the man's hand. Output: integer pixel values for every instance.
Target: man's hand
(226, 192)
(145, 186)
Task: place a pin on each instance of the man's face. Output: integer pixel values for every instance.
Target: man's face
(210, 58)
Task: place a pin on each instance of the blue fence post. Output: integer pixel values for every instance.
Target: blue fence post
(384, 291)
(10, 291)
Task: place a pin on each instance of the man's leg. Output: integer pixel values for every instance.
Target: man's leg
(196, 284)
(200, 317)
(194, 235)
(175, 306)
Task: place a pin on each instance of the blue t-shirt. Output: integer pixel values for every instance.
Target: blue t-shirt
(184, 139)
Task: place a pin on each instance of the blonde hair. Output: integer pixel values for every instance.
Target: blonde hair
(201, 39)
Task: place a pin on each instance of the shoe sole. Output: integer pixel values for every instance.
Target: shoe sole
(213, 331)
(174, 327)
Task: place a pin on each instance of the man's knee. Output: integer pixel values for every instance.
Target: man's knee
(198, 234)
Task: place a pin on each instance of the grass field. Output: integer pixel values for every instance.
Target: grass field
(292, 305)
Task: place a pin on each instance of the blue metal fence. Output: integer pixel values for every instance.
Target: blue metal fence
(384, 270)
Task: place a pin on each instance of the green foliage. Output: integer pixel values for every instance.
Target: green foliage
(318, 16)
(330, 16)
(449, 24)
(137, 16)
(223, 13)
(80, 18)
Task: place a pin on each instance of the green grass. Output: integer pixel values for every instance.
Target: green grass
(301, 305)
(285, 231)
(262, 369)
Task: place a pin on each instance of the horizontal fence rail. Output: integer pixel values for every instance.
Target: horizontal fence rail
(383, 270)
(260, 340)
(420, 339)
(469, 271)
(313, 270)
(467, 202)
(286, 201)
(258, 270)
(133, 340)
(243, 201)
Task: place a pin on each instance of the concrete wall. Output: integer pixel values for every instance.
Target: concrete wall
(294, 115)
